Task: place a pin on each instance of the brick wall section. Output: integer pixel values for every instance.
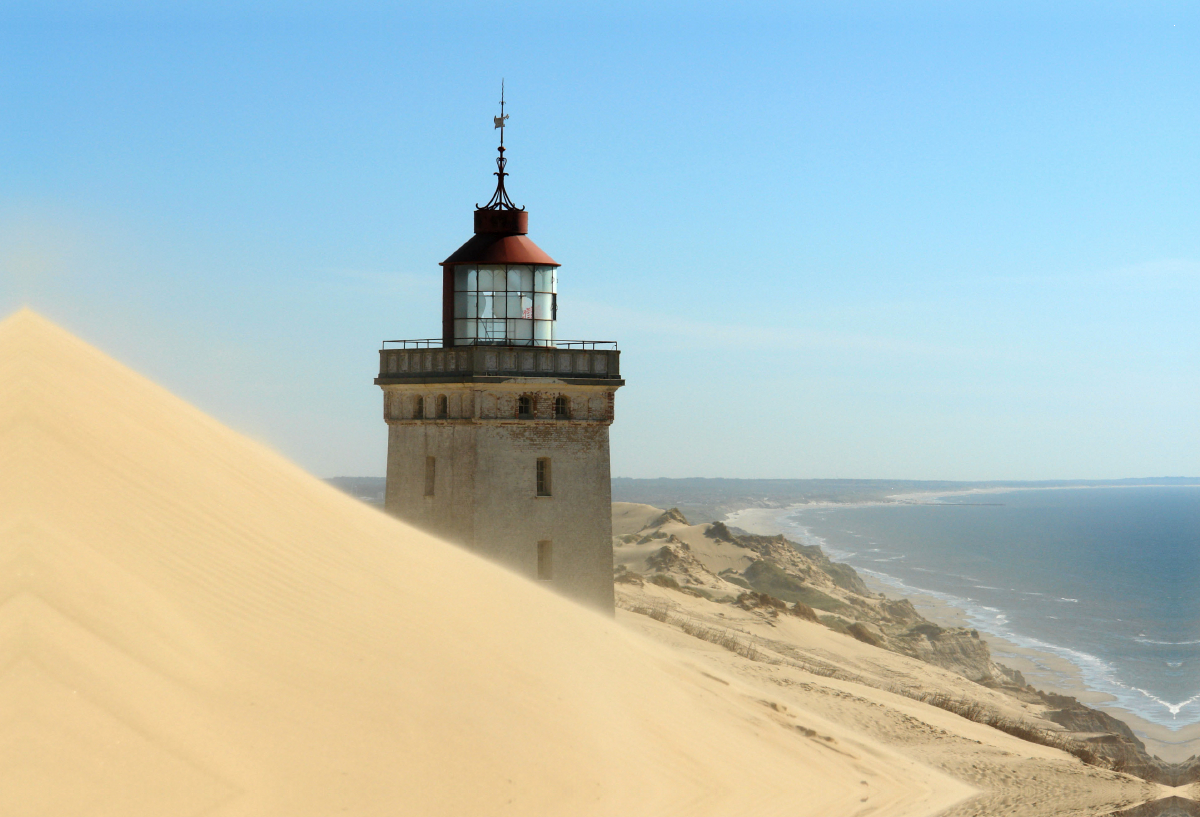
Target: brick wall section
(498, 402)
(485, 486)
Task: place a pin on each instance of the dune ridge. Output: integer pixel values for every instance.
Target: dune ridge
(190, 624)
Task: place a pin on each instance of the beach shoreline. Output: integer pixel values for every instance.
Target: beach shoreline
(1042, 669)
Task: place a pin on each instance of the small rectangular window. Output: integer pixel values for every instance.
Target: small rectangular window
(524, 407)
(430, 474)
(545, 555)
(543, 476)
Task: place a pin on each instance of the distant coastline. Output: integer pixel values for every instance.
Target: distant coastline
(711, 499)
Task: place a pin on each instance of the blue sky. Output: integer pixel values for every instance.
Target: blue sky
(902, 240)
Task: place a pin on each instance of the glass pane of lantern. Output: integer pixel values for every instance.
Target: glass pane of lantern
(464, 278)
(485, 304)
(554, 279)
(543, 332)
(460, 304)
(514, 277)
(514, 305)
(527, 305)
(488, 329)
(524, 332)
(543, 306)
(485, 279)
(472, 304)
(498, 303)
(542, 279)
(526, 278)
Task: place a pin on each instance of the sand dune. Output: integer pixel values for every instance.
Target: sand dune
(192, 625)
(631, 517)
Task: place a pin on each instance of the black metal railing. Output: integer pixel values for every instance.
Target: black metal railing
(436, 343)
(422, 343)
(586, 344)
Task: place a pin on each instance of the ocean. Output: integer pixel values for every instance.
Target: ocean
(1107, 578)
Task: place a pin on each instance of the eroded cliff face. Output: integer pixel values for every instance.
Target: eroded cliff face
(1113, 739)
(715, 562)
(773, 576)
(956, 649)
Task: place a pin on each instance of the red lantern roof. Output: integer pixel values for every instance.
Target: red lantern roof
(500, 239)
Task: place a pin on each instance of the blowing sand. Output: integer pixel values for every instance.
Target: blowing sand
(193, 625)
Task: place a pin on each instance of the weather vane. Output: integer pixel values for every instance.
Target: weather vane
(499, 120)
(500, 199)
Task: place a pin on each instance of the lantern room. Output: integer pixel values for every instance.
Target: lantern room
(505, 304)
(499, 288)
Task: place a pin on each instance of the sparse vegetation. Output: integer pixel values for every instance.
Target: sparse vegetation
(803, 611)
(758, 601)
(863, 634)
(771, 579)
(730, 575)
(663, 580)
(720, 637)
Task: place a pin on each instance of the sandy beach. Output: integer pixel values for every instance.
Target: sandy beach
(1044, 670)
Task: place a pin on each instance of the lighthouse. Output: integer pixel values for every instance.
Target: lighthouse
(498, 432)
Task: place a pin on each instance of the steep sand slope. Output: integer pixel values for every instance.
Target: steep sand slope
(191, 625)
(831, 683)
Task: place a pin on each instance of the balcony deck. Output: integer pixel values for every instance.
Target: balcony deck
(577, 362)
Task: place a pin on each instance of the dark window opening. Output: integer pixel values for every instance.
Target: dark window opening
(562, 408)
(418, 408)
(430, 475)
(543, 476)
(545, 557)
(524, 407)
(440, 405)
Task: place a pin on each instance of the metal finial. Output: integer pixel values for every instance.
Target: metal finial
(500, 199)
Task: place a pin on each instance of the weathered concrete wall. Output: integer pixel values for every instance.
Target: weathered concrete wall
(448, 513)
(485, 493)
(510, 518)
